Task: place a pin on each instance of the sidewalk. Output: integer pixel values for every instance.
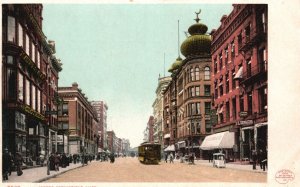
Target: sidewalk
(38, 174)
(232, 165)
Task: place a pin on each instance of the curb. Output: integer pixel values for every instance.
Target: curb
(55, 175)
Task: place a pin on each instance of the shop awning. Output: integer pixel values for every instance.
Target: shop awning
(170, 148)
(222, 140)
(167, 136)
(260, 124)
(239, 74)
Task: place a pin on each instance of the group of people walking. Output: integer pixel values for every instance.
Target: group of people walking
(259, 157)
(10, 163)
(170, 157)
(63, 160)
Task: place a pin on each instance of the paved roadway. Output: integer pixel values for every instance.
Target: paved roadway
(130, 170)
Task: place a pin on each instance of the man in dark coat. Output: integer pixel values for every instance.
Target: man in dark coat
(19, 162)
(74, 158)
(63, 160)
(264, 160)
(52, 162)
(7, 164)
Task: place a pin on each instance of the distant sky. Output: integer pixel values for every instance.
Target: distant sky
(115, 52)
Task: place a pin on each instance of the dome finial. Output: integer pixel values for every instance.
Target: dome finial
(197, 13)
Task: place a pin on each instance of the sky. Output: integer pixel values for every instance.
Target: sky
(115, 52)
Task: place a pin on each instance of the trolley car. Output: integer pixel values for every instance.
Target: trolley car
(149, 153)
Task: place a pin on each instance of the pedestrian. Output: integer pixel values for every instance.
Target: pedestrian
(7, 164)
(171, 158)
(112, 158)
(74, 158)
(56, 161)
(254, 159)
(166, 157)
(52, 162)
(209, 156)
(12, 163)
(63, 160)
(264, 160)
(19, 162)
(192, 158)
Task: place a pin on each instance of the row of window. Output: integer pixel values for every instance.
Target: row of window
(30, 92)
(24, 40)
(224, 54)
(192, 109)
(194, 128)
(195, 91)
(27, 92)
(262, 102)
(193, 74)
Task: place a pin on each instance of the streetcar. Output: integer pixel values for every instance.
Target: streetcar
(149, 153)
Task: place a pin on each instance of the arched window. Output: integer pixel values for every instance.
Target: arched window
(206, 73)
(197, 73)
(192, 74)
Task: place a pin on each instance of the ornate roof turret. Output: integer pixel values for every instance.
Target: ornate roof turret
(199, 42)
(176, 65)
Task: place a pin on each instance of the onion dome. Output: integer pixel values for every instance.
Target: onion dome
(198, 43)
(176, 65)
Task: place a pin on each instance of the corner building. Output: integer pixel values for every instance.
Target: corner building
(187, 99)
(76, 119)
(239, 61)
(29, 83)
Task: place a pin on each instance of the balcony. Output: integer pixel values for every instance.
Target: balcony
(257, 35)
(256, 72)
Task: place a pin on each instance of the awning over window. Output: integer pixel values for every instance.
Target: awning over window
(167, 135)
(239, 74)
(222, 140)
(220, 110)
(170, 148)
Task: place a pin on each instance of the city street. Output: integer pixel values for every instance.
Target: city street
(130, 170)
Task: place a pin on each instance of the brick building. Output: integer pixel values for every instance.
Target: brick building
(111, 141)
(239, 62)
(101, 108)
(76, 119)
(29, 82)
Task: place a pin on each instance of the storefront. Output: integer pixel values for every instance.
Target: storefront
(261, 135)
(247, 142)
(36, 141)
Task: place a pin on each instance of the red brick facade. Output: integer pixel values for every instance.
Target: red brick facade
(239, 66)
(76, 119)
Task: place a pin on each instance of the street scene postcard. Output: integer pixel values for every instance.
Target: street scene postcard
(147, 94)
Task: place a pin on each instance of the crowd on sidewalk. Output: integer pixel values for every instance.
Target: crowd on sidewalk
(57, 160)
